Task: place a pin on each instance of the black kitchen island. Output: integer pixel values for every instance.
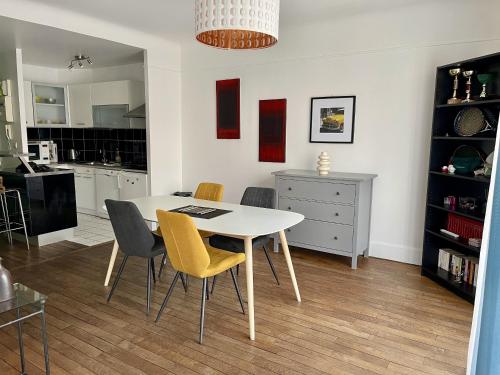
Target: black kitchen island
(48, 199)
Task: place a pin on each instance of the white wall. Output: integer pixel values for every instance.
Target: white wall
(386, 59)
(163, 72)
(10, 68)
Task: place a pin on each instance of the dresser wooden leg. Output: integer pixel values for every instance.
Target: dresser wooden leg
(288, 258)
(111, 262)
(249, 276)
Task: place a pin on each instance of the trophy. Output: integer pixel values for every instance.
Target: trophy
(468, 84)
(483, 80)
(454, 73)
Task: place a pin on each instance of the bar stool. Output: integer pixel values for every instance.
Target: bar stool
(5, 222)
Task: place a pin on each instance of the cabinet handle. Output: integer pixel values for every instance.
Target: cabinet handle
(80, 123)
(338, 193)
(336, 214)
(289, 189)
(289, 208)
(288, 230)
(335, 238)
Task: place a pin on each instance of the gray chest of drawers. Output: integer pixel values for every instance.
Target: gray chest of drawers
(337, 210)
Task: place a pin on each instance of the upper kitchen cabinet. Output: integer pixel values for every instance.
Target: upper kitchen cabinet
(118, 92)
(50, 105)
(28, 104)
(80, 105)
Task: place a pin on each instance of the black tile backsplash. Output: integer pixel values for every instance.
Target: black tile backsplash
(131, 143)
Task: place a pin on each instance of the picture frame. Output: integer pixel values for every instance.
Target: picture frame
(332, 119)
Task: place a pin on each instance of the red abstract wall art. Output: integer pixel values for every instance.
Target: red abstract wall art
(272, 130)
(228, 109)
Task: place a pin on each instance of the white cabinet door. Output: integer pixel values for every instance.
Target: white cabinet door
(106, 93)
(80, 105)
(85, 193)
(133, 185)
(28, 104)
(106, 188)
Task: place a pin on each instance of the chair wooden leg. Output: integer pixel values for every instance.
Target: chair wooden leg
(213, 284)
(153, 269)
(120, 270)
(169, 293)
(270, 261)
(237, 290)
(163, 261)
(148, 290)
(202, 312)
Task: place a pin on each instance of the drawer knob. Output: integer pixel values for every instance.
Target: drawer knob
(289, 189)
(288, 230)
(338, 193)
(289, 208)
(336, 214)
(335, 238)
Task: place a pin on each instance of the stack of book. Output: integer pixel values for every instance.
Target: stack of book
(457, 264)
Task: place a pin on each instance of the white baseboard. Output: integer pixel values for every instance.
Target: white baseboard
(398, 253)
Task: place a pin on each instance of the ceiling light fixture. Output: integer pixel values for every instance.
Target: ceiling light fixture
(237, 24)
(79, 60)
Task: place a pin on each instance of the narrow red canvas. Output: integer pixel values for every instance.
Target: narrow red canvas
(272, 130)
(228, 109)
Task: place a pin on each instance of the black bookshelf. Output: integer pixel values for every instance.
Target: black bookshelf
(444, 141)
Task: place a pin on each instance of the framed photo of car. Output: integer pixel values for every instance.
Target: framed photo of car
(332, 119)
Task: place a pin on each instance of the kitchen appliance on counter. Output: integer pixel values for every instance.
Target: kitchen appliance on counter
(39, 152)
(53, 152)
(73, 155)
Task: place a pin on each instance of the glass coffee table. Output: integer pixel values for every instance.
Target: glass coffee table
(26, 298)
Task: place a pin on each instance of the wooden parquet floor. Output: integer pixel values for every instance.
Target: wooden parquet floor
(383, 318)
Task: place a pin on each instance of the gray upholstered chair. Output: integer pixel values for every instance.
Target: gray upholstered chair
(134, 239)
(256, 197)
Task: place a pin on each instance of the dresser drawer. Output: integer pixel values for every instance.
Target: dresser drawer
(327, 235)
(330, 212)
(319, 191)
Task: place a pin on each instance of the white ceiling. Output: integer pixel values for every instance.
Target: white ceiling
(47, 46)
(174, 19)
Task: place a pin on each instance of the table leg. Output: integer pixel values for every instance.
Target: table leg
(111, 262)
(21, 344)
(45, 341)
(249, 276)
(288, 258)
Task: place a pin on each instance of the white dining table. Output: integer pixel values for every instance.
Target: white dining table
(243, 222)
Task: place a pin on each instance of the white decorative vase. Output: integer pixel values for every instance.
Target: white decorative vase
(323, 163)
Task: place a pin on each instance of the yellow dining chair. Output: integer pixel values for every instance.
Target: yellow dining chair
(208, 191)
(189, 255)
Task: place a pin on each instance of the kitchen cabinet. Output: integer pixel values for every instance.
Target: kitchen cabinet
(85, 187)
(107, 187)
(50, 103)
(118, 92)
(133, 185)
(80, 105)
(28, 104)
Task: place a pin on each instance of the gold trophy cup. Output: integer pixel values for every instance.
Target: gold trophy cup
(468, 84)
(454, 73)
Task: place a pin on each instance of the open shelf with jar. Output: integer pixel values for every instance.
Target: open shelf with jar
(466, 115)
(50, 105)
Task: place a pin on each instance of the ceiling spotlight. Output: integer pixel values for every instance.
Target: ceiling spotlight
(80, 60)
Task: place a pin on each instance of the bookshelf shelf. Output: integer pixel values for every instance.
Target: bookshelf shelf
(445, 279)
(444, 142)
(460, 244)
(459, 213)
